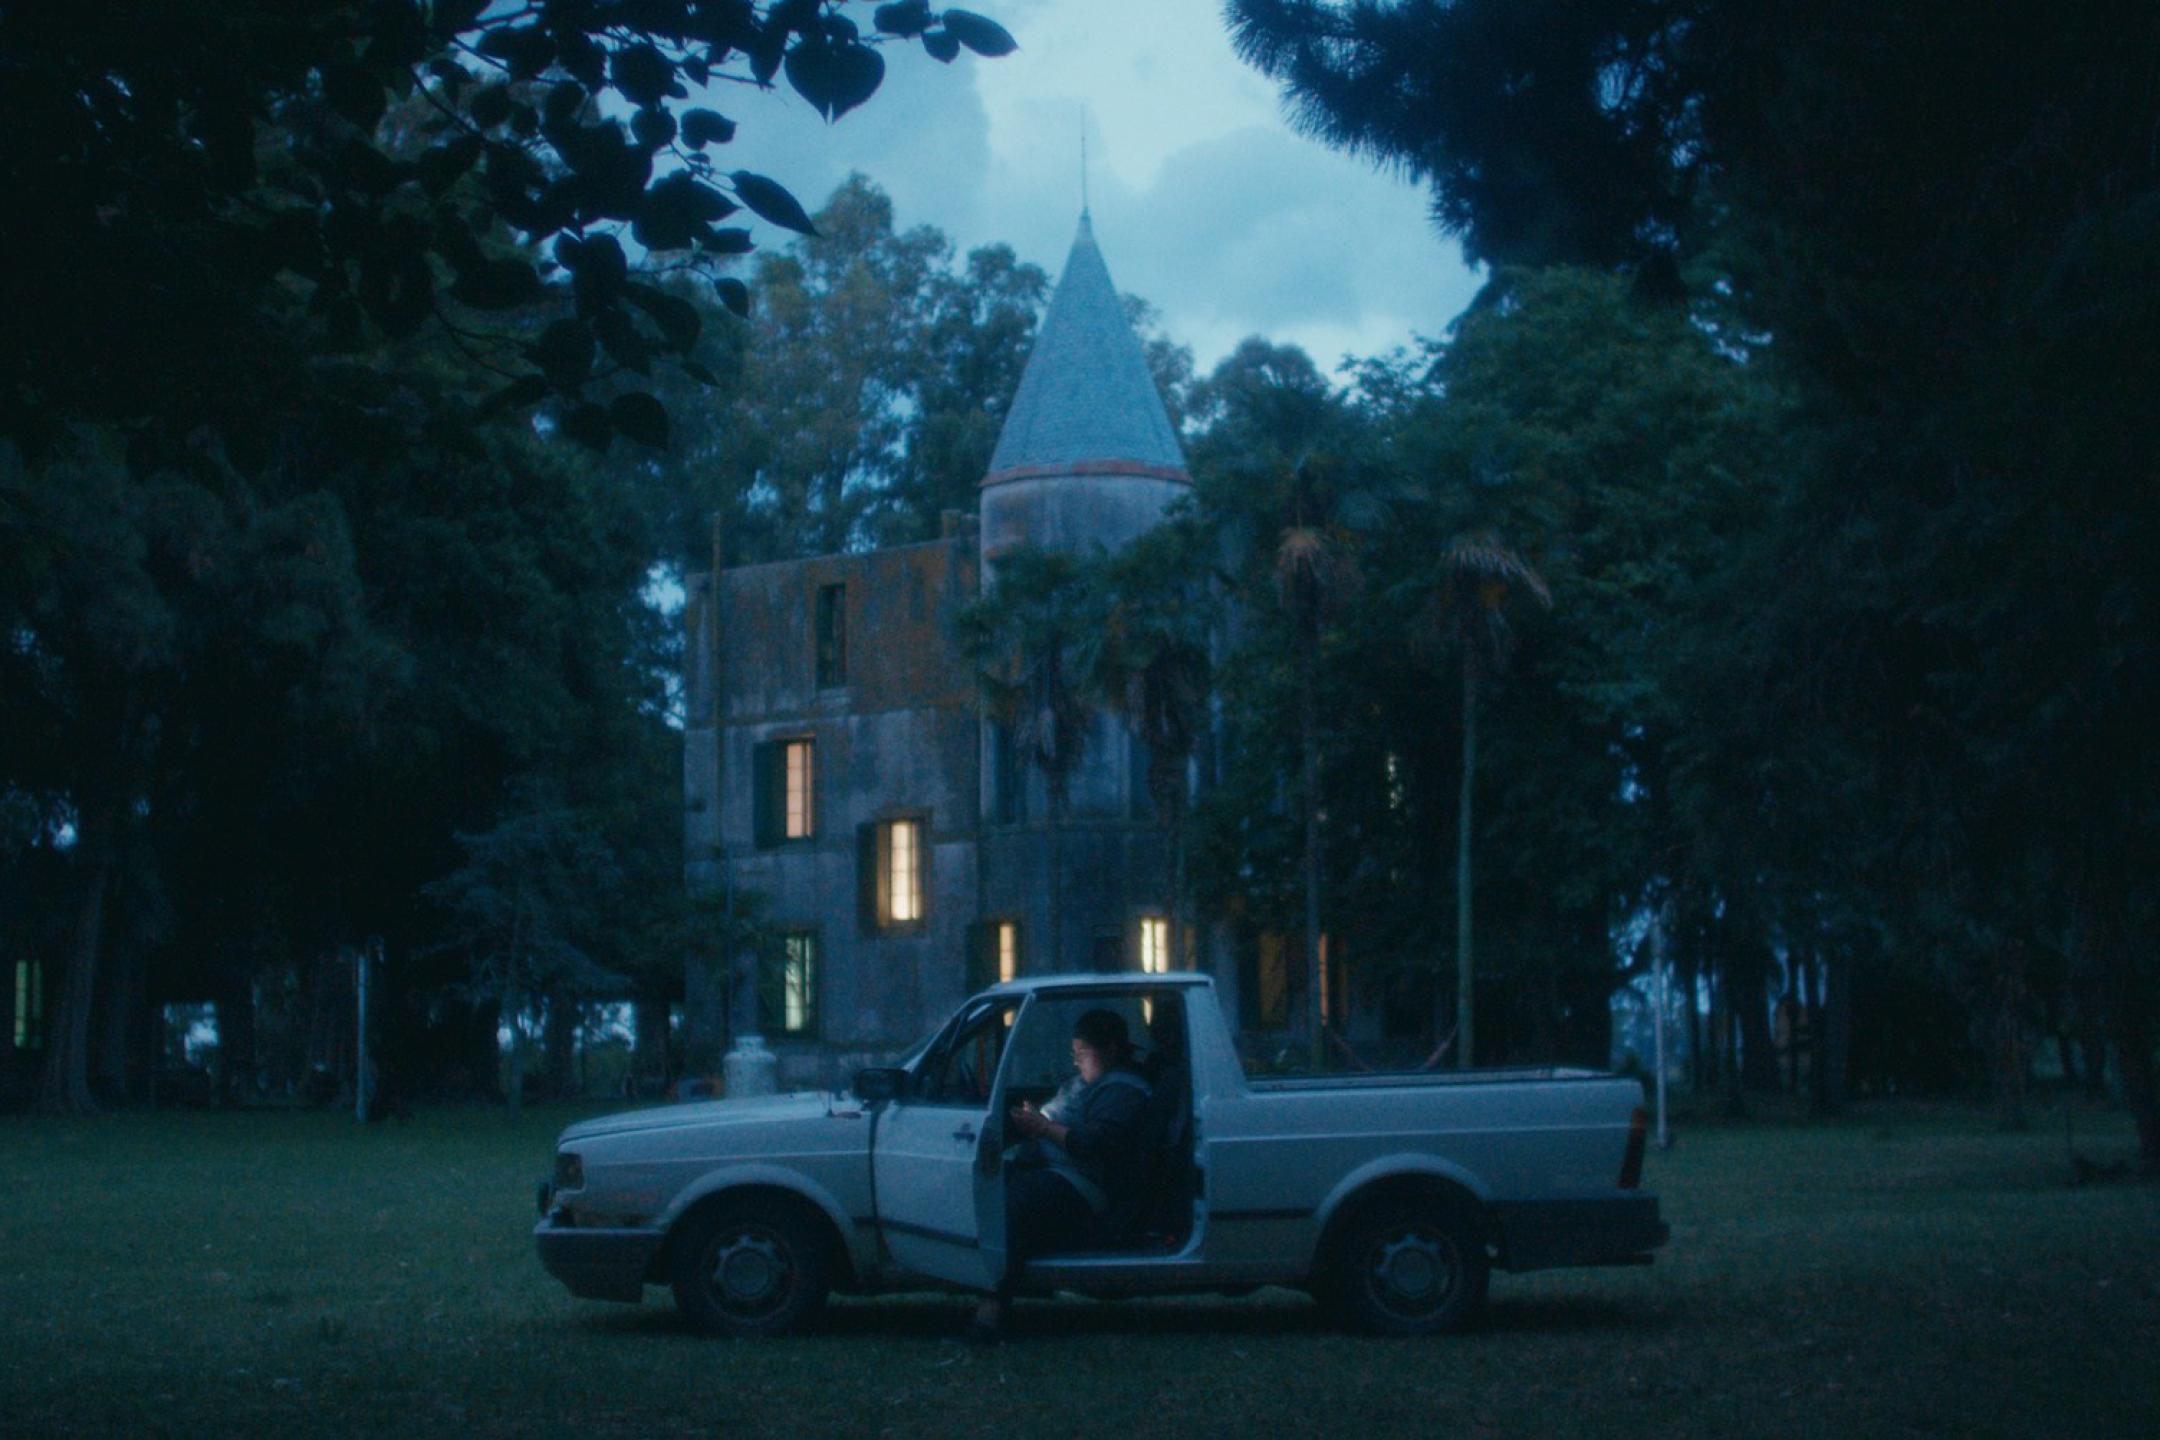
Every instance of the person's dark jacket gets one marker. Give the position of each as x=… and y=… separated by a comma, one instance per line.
x=1108, y=1137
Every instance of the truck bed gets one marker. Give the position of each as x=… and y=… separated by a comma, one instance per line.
x=1404, y=1079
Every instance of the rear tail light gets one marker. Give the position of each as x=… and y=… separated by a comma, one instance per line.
x=569, y=1171
x=1638, y=1131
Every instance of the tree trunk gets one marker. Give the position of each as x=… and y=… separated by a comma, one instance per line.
x=2129, y=1020
x=1689, y=977
x=560, y=1036
x=649, y=1038
x=1309, y=725
x=1465, y=978
x=513, y=1013
x=66, y=1086
x=1758, y=1057
x=1057, y=875
x=2008, y=1026
x=236, y=1034
x=114, y=1004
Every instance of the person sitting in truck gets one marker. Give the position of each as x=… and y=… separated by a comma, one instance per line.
x=1086, y=1157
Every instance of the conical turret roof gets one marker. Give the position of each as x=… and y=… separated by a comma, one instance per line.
x=1086, y=398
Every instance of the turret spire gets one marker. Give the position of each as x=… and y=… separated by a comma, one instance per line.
x=1086, y=397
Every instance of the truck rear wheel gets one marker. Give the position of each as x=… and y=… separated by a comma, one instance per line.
x=1409, y=1268
x=754, y=1265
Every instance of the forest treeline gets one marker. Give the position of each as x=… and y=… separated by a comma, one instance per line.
x=1760, y=567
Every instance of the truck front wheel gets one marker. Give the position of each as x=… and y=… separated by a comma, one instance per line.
x=753, y=1265
x=1410, y=1268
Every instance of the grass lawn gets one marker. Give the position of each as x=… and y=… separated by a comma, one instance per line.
x=1904, y=1271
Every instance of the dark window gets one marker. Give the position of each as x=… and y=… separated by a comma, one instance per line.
x=1140, y=801
x=962, y=1067
x=1008, y=779
x=788, y=985
x=831, y=636
x=1109, y=951
x=29, y=1004
x=1264, y=986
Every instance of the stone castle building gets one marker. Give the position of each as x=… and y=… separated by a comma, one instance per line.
x=841, y=764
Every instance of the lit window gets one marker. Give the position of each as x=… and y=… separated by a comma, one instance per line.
x=905, y=890
x=798, y=789
x=1155, y=945
x=788, y=985
x=797, y=984
x=1393, y=768
x=1008, y=942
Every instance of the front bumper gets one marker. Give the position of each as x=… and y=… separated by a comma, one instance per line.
x=597, y=1264
x=1616, y=1228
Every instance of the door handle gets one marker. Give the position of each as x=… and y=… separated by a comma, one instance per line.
x=964, y=1133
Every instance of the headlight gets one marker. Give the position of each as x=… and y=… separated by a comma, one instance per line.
x=569, y=1170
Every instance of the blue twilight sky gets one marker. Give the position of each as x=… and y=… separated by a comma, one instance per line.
x=1204, y=200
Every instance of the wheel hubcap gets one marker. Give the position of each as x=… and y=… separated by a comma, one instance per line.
x=1412, y=1272
x=751, y=1272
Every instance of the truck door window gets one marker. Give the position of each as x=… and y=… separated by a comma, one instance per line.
x=964, y=1066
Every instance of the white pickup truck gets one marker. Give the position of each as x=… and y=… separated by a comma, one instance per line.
x=1388, y=1196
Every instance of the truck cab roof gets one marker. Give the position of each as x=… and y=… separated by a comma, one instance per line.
x=1098, y=980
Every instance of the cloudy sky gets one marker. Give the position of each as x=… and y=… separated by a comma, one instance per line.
x=1204, y=200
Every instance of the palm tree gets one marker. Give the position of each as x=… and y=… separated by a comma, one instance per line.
x=1478, y=575
x=1027, y=637
x=1314, y=566
x=1154, y=667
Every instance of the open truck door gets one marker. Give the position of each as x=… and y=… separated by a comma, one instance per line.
x=938, y=1161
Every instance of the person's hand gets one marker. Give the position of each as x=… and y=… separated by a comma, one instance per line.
x=1028, y=1120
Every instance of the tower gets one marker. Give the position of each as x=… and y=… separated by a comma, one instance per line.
x=1087, y=458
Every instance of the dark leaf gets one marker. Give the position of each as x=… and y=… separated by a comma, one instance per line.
x=441, y=167
x=908, y=18
x=705, y=127
x=497, y=285
x=452, y=76
x=367, y=169
x=734, y=240
x=355, y=93
x=676, y=317
x=700, y=374
x=622, y=340
x=766, y=53
x=834, y=78
x=588, y=425
x=519, y=393
x=489, y=106
x=562, y=102
x=524, y=51
x=770, y=201
x=640, y=417
x=564, y=352
x=454, y=17
x=597, y=264
x=584, y=59
x=346, y=323
x=941, y=44
x=653, y=127
x=980, y=34
x=794, y=15
x=733, y=294
x=400, y=38
x=644, y=76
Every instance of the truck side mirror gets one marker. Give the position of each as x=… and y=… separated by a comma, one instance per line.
x=877, y=1083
